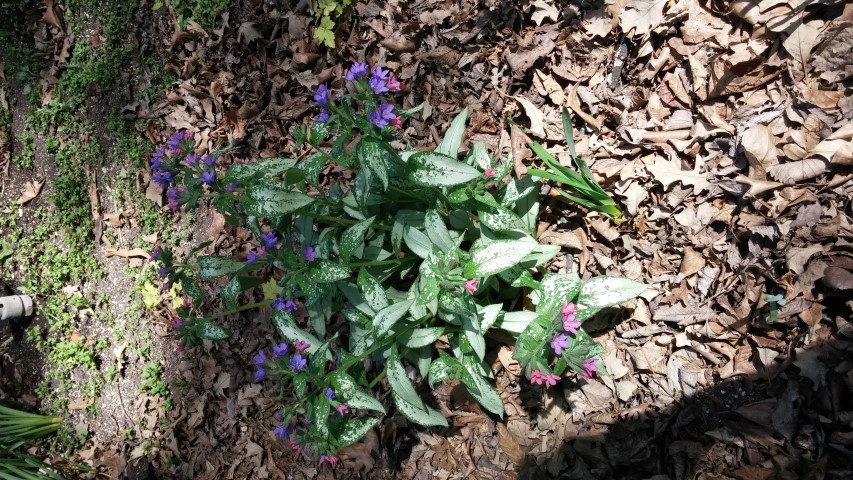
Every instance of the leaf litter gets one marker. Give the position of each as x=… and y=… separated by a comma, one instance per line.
x=726, y=137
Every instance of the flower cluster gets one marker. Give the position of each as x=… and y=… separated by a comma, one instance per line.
x=294, y=367
x=178, y=156
x=368, y=85
x=561, y=342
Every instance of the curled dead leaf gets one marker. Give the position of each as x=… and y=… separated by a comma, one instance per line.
x=31, y=191
x=793, y=172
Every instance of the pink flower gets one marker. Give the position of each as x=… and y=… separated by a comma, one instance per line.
x=301, y=346
x=295, y=446
x=471, y=286
x=330, y=459
x=536, y=377
x=489, y=173
x=397, y=122
x=551, y=380
x=569, y=323
x=392, y=84
x=343, y=409
x=589, y=368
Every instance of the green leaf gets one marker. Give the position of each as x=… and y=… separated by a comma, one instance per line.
x=355, y=429
x=453, y=138
x=501, y=219
x=494, y=257
x=353, y=237
x=372, y=290
x=371, y=154
x=347, y=389
x=471, y=328
x=437, y=231
x=399, y=380
x=210, y=266
x=417, y=242
x=323, y=270
x=430, y=287
x=321, y=410
x=271, y=201
x=237, y=284
x=300, y=383
x=516, y=322
x=422, y=337
x=482, y=390
x=599, y=292
x=407, y=400
x=388, y=316
x=286, y=327
x=243, y=173
x=479, y=156
x=211, y=331
x=436, y=170
x=324, y=33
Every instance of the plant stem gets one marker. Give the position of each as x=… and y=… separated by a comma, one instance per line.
x=344, y=221
x=377, y=379
x=237, y=310
x=376, y=263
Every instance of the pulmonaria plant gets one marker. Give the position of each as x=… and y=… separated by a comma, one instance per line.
x=415, y=260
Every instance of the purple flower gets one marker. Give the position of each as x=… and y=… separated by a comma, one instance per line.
x=174, y=141
x=321, y=96
x=260, y=373
x=380, y=73
x=283, y=432
x=260, y=358
x=155, y=254
x=279, y=350
x=162, y=178
x=378, y=85
x=163, y=271
x=358, y=70
x=560, y=342
x=382, y=115
x=290, y=305
x=330, y=394
x=191, y=159
x=157, y=158
x=589, y=368
x=254, y=255
x=309, y=254
x=323, y=117
x=172, y=195
x=278, y=304
x=269, y=239
x=297, y=362
x=209, y=160
x=208, y=177
x=231, y=186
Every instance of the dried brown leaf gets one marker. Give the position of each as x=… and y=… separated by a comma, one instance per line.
x=759, y=146
x=30, y=191
x=692, y=262
x=509, y=445
x=669, y=171
x=793, y=172
x=136, y=252
x=802, y=40
x=641, y=15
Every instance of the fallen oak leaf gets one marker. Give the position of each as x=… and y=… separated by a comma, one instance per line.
x=793, y=172
x=534, y=114
x=136, y=252
x=31, y=190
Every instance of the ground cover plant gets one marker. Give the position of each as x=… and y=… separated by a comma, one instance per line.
x=420, y=249
x=719, y=128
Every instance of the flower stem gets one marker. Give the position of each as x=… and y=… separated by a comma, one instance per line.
x=237, y=310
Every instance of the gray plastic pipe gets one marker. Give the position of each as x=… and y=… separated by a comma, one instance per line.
x=15, y=306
